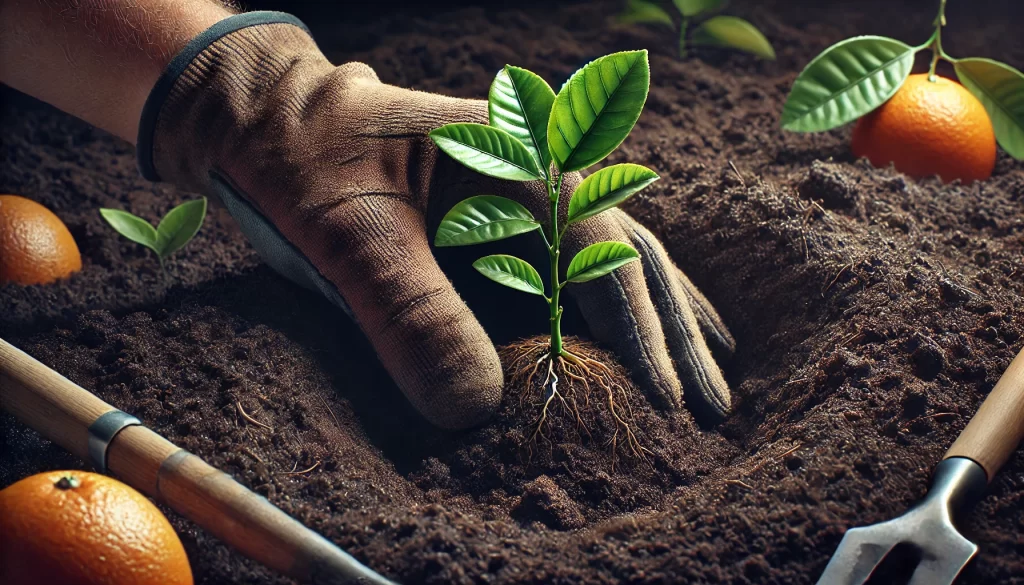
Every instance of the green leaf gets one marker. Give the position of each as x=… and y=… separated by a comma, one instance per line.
x=484, y=218
x=732, y=33
x=1000, y=88
x=642, y=12
x=596, y=109
x=132, y=227
x=607, y=188
x=846, y=81
x=520, y=104
x=690, y=8
x=487, y=150
x=599, y=259
x=511, y=272
x=180, y=225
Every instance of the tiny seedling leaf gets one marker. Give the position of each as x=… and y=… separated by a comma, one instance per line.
x=731, y=32
x=607, y=188
x=180, y=225
x=599, y=259
x=846, y=81
x=596, y=109
x=1000, y=88
x=132, y=227
x=690, y=8
x=520, y=104
x=484, y=218
x=487, y=150
x=643, y=12
x=511, y=272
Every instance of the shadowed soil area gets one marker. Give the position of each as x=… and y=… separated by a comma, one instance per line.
x=872, y=312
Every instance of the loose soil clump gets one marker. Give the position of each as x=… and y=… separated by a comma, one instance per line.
x=872, y=313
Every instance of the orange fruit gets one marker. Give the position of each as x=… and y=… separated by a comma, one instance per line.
x=35, y=245
x=929, y=128
x=80, y=528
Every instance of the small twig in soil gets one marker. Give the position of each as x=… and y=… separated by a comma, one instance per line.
x=245, y=415
x=328, y=407
x=836, y=279
x=791, y=451
x=906, y=427
x=303, y=472
x=738, y=175
x=253, y=455
x=740, y=483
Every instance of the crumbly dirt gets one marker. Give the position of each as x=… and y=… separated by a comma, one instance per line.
x=872, y=313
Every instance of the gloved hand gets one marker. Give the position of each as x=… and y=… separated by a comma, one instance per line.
x=331, y=174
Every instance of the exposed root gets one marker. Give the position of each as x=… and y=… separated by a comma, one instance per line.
x=565, y=395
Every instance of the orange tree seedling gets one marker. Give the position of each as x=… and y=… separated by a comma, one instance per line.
x=924, y=125
x=535, y=135
x=723, y=31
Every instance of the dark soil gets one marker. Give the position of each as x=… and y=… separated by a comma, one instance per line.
x=873, y=313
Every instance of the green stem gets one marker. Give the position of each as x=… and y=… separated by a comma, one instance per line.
x=682, y=37
x=936, y=41
x=553, y=252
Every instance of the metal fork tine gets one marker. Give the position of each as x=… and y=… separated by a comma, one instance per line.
x=858, y=554
x=941, y=567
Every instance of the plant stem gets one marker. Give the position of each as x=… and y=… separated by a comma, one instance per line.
x=936, y=42
x=682, y=37
x=554, y=250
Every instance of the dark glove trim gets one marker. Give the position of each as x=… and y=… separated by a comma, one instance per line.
x=151, y=111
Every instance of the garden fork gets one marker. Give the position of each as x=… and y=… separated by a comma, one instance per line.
x=960, y=480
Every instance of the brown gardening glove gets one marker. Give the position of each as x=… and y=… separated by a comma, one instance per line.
x=331, y=174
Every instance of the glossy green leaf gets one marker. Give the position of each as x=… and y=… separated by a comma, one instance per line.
x=732, y=33
x=132, y=227
x=599, y=259
x=643, y=12
x=511, y=272
x=690, y=8
x=596, y=109
x=484, y=218
x=607, y=188
x=1000, y=88
x=520, y=104
x=180, y=225
x=487, y=150
x=846, y=81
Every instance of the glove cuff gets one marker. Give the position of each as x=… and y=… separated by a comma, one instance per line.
x=266, y=50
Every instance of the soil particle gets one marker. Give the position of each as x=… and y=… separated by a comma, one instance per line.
x=547, y=503
x=873, y=313
x=828, y=183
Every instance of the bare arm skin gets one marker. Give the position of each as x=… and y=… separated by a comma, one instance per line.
x=97, y=59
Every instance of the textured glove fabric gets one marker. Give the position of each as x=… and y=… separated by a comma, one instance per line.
x=333, y=176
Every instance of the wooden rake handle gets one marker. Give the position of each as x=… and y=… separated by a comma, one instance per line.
x=998, y=427
x=64, y=412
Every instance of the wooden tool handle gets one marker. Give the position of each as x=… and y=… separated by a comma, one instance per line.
x=998, y=427
x=63, y=412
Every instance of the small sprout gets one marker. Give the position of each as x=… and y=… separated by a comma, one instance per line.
x=175, y=230
x=853, y=77
x=721, y=31
x=530, y=128
x=535, y=135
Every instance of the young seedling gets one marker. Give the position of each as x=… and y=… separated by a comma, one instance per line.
x=854, y=77
x=721, y=31
x=175, y=230
x=535, y=135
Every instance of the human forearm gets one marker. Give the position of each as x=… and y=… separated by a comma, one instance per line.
x=97, y=59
